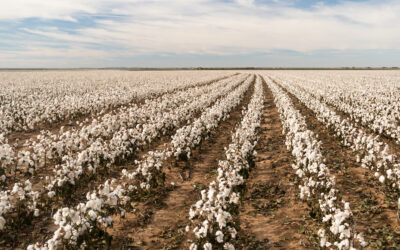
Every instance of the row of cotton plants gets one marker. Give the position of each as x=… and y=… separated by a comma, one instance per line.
x=211, y=217
x=21, y=196
x=316, y=183
x=82, y=225
x=49, y=148
x=126, y=140
x=373, y=102
x=373, y=153
x=187, y=138
x=103, y=153
x=6, y=157
x=31, y=99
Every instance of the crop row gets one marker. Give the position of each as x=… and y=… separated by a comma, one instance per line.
x=316, y=183
x=126, y=137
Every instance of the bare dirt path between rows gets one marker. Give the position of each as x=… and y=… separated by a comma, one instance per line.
x=272, y=215
x=40, y=228
x=374, y=216
x=160, y=222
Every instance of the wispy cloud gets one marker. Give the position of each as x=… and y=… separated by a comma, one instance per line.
x=106, y=30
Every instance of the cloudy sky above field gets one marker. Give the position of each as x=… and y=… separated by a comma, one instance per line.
x=190, y=33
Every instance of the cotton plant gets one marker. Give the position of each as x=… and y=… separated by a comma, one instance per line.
x=122, y=143
x=372, y=152
x=149, y=170
x=143, y=178
x=7, y=159
x=33, y=99
x=20, y=198
x=104, y=142
x=87, y=222
x=52, y=147
x=212, y=216
x=190, y=135
x=374, y=105
x=316, y=183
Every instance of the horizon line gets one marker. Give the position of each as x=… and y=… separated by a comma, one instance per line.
x=206, y=68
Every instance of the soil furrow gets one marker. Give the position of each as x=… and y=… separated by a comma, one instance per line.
x=272, y=215
x=374, y=216
x=160, y=222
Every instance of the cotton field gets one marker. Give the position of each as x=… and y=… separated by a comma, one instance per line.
x=118, y=159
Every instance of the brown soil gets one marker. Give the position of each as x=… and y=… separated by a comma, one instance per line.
x=160, y=223
x=374, y=215
x=272, y=215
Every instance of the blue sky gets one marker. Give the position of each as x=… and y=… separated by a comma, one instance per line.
x=193, y=33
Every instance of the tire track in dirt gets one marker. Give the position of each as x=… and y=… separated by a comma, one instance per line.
x=271, y=215
x=374, y=216
x=161, y=221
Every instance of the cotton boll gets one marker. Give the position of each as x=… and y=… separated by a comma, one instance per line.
x=219, y=236
x=2, y=222
x=92, y=215
x=193, y=246
x=389, y=173
x=382, y=179
x=229, y=246
x=207, y=246
x=51, y=194
x=360, y=238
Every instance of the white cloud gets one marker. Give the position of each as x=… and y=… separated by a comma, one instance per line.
x=180, y=29
x=210, y=27
x=247, y=3
x=46, y=9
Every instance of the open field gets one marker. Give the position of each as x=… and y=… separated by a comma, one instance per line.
x=200, y=159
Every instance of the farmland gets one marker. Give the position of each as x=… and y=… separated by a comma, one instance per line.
x=293, y=159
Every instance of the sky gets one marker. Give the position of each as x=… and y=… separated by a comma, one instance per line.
x=199, y=33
